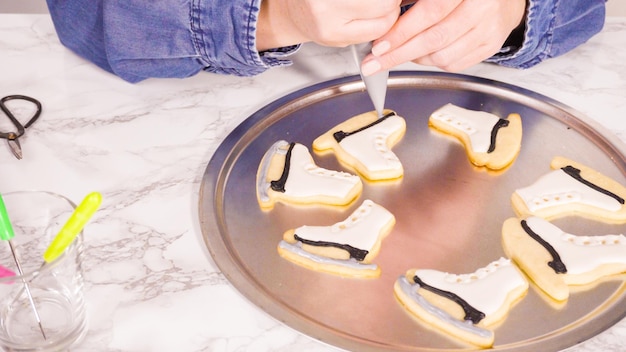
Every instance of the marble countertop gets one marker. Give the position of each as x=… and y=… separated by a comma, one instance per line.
x=151, y=282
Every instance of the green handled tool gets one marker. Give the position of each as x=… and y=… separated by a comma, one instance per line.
x=79, y=218
x=7, y=234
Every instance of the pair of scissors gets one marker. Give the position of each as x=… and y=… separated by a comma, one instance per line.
x=13, y=136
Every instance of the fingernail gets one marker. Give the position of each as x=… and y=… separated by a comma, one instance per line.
x=370, y=67
x=381, y=48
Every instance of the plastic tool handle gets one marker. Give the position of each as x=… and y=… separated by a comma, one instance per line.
x=6, y=272
x=73, y=226
x=6, y=230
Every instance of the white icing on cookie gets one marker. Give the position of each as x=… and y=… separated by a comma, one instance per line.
x=262, y=185
x=485, y=290
x=369, y=146
x=411, y=290
x=477, y=125
x=360, y=230
x=580, y=254
x=305, y=178
x=558, y=188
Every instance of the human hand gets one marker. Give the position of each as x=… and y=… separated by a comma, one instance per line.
x=326, y=22
x=451, y=35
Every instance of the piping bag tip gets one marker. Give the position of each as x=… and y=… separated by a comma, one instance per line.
x=376, y=84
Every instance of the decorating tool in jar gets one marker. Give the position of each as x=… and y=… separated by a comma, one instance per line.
x=7, y=234
x=73, y=226
x=6, y=272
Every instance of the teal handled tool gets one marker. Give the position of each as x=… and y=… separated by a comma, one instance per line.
x=79, y=218
x=7, y=234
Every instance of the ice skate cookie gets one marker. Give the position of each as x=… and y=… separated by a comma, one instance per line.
x=554, y=259
x=489, y=141
x=463, y=306
x=288, y=174
x=364, y=143
x=346, y=248
x=572, y=189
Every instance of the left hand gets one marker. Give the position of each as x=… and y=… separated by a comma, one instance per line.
x=451, y=34
x=325, y=22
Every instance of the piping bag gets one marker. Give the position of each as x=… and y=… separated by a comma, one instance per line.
x=376, y=84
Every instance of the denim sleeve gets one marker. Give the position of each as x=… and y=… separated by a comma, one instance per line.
x=553, y=27
x=136, y=39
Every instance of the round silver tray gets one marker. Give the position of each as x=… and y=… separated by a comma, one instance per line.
x=449, y=214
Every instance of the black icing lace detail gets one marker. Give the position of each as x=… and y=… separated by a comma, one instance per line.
x=471, y=313
x=356, y=253
x=340, y=135
x=556, y=264
x=575, y=173
x=279, y=185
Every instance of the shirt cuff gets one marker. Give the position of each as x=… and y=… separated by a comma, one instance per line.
x=553, y=28
x=224, y=33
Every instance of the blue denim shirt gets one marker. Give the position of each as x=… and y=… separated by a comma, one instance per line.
x=553, y=27
x=135, y=39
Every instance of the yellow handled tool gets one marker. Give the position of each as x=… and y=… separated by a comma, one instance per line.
x=83, y=212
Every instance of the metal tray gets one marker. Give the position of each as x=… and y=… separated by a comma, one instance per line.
x=449, y=214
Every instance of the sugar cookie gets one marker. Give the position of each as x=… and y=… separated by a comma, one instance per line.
x=554, y=259
x=463, y=306
x=288, y=174
x=488, y=140
x=346, y=248
x=572, y=189
x=364, y=143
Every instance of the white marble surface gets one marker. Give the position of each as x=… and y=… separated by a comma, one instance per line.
x=151, y=284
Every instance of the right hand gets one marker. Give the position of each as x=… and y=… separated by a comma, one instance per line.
x=451, y=35
x=336, y=23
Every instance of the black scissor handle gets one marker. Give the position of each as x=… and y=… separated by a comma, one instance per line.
x=18, y=125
